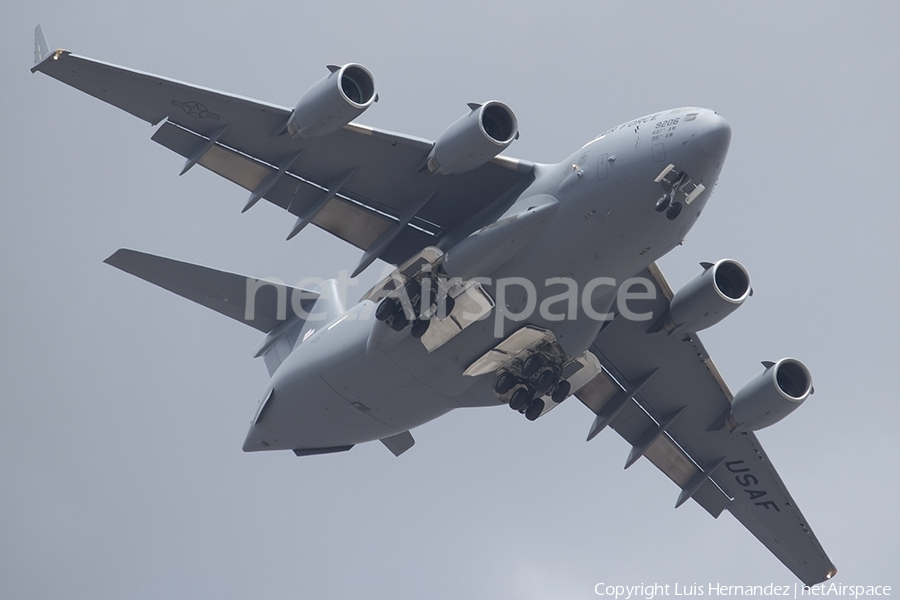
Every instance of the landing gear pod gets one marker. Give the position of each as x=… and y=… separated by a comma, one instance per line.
x=333, y=102
x=474, y=139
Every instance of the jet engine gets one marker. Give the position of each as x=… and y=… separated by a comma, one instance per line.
x=771, y=395
x=333, y=102
x=474, y=139
x=709, y=297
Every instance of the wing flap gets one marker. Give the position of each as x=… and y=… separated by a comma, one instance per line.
x=351, y=222
x=248, y=174
x=669, y=459
x=354, y=225
x=242, y=170
x=711, y=498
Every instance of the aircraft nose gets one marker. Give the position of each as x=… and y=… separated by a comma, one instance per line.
x=714, y=134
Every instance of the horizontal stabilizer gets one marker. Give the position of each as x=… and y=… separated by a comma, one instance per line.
x=258, y=303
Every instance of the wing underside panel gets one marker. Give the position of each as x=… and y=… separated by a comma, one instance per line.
x=631, y=422
x=356, y=182
x=662, y=393
x=341, y=217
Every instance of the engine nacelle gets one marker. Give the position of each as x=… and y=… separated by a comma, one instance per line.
x=710, y=297
x=474, y=139
x=771, y=395
x=333, y=102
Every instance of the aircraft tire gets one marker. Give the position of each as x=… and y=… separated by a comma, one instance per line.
x=520, y=398
x=534, y=409
x=561, y=392
x=399, y=321
x=419, y=327
x=413, y=290
x=503, y=382
x=545, y=381
x=449, y=304
x=385, y=309
x=674, y=211
x=532, y=364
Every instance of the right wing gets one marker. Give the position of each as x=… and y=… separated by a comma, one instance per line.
x=664, y=395
x=366, y=186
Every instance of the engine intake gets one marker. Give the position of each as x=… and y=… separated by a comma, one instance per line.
x=333, y=102
x=709, y=297
x=771, y=395
x=474, y=139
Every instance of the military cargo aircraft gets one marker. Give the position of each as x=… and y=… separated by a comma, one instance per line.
x=516, y=283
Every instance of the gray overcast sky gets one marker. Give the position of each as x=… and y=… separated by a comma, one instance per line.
x=124, y=407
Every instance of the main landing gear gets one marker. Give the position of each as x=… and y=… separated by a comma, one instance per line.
x=420, y=295
x=525, y=383
x=531, y=371
x=421, y=299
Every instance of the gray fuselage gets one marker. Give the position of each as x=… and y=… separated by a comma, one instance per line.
x=591, y=219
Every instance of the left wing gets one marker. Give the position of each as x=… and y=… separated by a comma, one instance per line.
x=663, y=394
x=367, y=186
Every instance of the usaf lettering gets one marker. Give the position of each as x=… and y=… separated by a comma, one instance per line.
x=749, y=480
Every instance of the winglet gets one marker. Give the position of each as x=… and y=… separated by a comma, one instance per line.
x=41, y=49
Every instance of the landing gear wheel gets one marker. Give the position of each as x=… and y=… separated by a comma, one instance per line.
x=400, y=321
x=561, y=392
x=534, y=410
x=532, y=364
x=545, y=381
x=385, y=309
x=503, y=382
x=674, y=211
x=413, y=291
x=520, y=398
x=448, y=305
x=663, y=203
x=419, y=327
